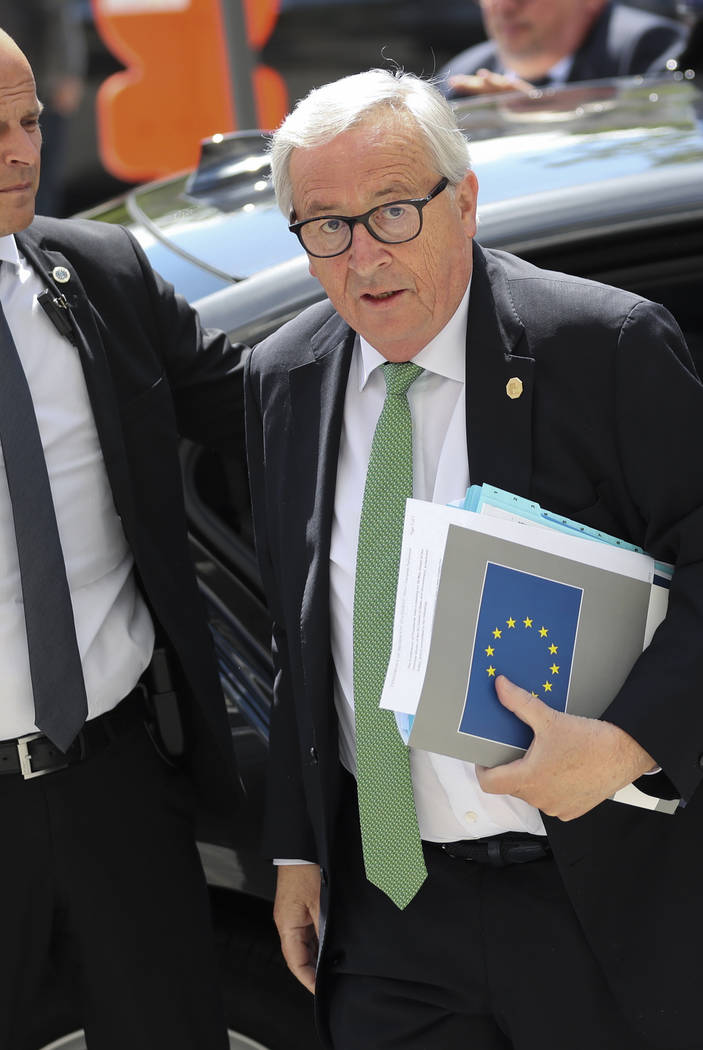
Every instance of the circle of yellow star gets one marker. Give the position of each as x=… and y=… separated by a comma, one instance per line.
x=547, y=686
x=543, y=632
x=491, y=672
x=497, y=633
x=554, y=669
x=510, y=622
x=553, y=649
x=527, y=621
x=489, y=650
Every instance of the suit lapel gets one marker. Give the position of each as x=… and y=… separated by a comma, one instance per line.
x=317, y=389
x=86, y=337
x=498, y=434
x=499, y=383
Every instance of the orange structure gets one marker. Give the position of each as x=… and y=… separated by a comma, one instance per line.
x=176, y=88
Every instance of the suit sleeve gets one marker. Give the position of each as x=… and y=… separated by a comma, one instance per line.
x=652, y=50
x=204, y=370
x=659, y=413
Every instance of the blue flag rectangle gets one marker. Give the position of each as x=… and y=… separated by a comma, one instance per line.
x=526, y=630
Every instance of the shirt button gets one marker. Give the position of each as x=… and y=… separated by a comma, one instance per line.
x=471, y=817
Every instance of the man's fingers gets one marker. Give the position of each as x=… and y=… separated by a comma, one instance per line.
x=527, y=707
x=296, y=914
x=501, y=780
x=299, y=949
x=508, y=779
x=485, y=82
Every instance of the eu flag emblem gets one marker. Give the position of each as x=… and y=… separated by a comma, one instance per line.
x=526, y=630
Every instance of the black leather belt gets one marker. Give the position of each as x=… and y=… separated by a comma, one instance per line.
x=34, y=755
x=498, y=850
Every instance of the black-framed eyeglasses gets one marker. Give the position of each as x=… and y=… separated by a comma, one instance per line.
x=392, y=223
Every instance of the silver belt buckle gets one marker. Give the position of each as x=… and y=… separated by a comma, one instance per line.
x=26, y=759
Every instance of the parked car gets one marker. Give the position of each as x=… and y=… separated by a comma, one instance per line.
x=604, y=180
x=313, y=41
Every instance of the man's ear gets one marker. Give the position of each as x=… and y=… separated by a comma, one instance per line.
x=466, y=195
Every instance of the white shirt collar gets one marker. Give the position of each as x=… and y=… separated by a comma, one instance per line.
x=445, y=355
x=9, y=251
x=559, y=73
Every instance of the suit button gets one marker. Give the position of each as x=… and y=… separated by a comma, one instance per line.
x=313, y=754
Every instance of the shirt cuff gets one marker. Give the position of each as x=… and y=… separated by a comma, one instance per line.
x=281, y=861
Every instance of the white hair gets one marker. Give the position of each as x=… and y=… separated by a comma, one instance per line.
x=330, y=110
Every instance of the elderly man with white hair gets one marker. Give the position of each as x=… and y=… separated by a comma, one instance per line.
x=458, y=907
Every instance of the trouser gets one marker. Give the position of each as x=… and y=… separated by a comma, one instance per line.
x=484, y=958
x=99, y=863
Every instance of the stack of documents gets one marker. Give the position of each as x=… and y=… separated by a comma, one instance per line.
x=500, y=586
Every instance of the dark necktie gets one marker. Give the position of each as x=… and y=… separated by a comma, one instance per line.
x=60, y=703
x=391, y=842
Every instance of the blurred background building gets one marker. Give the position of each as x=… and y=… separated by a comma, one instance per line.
x=52, y=35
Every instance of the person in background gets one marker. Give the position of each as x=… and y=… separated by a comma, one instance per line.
x=432, y=904
x=50, y=34
x=691, y=57
x=112, y=720
x=534, y=43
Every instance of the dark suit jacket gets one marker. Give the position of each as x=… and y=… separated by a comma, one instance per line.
x=151, y=376
x=622, y=41
x=607, y=431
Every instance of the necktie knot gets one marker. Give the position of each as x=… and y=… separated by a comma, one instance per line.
x=399, y=376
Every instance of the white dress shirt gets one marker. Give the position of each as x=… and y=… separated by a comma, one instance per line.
x=449, y=802
x=113, y=626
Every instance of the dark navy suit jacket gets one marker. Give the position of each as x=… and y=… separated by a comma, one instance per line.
x=608, y=431
x=152, y=376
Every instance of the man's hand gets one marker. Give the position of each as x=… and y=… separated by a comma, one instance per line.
x=296, y=912
x=484, y=82
x=572, y=764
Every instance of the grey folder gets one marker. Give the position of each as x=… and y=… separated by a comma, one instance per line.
x=610, y=637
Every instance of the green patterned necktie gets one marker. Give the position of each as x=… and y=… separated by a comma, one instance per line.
x=390, y=837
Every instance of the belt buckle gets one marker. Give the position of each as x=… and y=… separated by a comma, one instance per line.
x=26, y=759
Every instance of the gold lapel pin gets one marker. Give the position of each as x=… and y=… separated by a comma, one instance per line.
x=61, y=274
x=513, y=388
